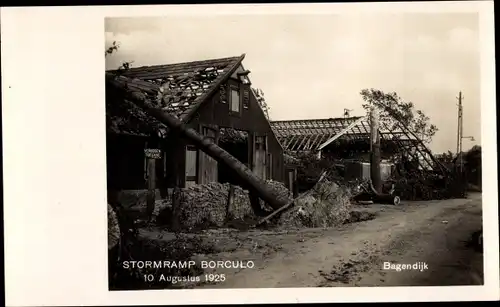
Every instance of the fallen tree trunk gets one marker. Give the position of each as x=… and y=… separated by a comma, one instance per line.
x=253, y=182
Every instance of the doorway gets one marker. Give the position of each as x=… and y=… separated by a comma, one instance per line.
x=235, y=142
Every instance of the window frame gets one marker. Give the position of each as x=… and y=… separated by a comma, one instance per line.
x=238, y=90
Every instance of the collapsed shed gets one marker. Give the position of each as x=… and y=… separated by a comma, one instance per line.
x=349, y=139
x=345, y=142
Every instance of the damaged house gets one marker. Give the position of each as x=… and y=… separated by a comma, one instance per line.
x=347, y=140
x=215, y=98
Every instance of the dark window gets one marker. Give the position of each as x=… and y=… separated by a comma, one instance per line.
x=223, y=94
x=246, y=99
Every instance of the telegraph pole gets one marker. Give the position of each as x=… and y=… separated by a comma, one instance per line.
x=375, y=150
x=460, y=129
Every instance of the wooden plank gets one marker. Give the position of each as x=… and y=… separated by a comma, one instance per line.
x=306, y=137
x=289, y=141
x=274, y=213
x=315, y=142
x=342, y=132
x=295, y=143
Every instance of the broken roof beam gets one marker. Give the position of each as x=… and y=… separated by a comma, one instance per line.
x=425, y=157
x=342, y=132
x=422, y=159
x=305, y=138
x=313, y=142
x=303, y=143
x=300, y=139
x=321, y=140
x=289, y=141
x=442, y=167
x=294, y=143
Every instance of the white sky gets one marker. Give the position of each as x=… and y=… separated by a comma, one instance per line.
x=314, y=66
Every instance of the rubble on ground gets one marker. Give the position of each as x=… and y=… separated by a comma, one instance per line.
x=326, y=205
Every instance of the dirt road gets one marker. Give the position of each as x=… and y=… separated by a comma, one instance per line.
x=433, y=233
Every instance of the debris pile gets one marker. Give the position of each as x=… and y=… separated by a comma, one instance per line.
x=417, y=186
x=326, y=205
x=206, y=206
x=231, y=135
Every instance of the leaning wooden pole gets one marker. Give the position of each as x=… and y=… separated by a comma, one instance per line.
x=204, y=144
x=375, y=151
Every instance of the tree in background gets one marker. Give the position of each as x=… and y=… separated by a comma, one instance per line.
x=262, y=101
x=446, y=157
x=394, y=109
x=114, y=47
x=472, y=164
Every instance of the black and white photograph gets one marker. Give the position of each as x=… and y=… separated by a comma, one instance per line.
x=249, y=153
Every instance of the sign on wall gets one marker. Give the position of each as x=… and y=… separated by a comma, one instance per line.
x=152, y=153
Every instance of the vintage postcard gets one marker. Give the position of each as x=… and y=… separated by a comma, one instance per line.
x=244, y=148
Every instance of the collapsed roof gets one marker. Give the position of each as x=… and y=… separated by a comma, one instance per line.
x=183, y=87
x=316, y=134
